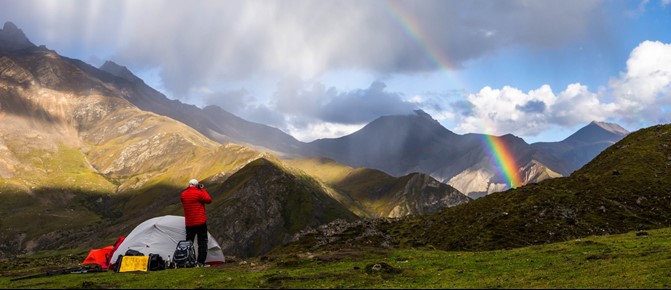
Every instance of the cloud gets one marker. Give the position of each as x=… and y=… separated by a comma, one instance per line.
x=509, y=110
x=199, y=43
x=232, y=101
x=207, y=50
x=305, y=108
x=640, y=95
x=645, y=88
x=532, y=107
x=312, y=131
x=364, y=105
x=330, y=105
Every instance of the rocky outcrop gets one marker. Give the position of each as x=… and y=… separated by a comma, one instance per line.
x=341, y=233
x=414, y=194
x=14, y=73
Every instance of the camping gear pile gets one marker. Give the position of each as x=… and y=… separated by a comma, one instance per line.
x=155, y=244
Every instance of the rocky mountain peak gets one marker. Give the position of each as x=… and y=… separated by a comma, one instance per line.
x=12, y=38
x=598, y=132
x=610, y=127
x=120, y=71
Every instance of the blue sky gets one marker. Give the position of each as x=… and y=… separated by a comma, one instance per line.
x=316, y=69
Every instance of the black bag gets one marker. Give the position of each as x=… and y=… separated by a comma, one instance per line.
x=131, y=252
x=185, y=255
x=156, y=262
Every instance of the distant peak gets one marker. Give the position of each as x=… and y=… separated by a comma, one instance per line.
x=110, y=65
x=120, y=71
x=598, y=132
x=421, y=113
x=610, y=127
x=12, y=38
x=10, y=27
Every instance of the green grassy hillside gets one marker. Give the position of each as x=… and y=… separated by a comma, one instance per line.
x=625, y=188
x=637, y=260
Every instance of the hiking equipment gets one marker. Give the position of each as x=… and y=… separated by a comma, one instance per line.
x=99, y=256
x=102, y=256
x=160, y=235
x=136, y=261
x=185, y=255
x=92, y=268
x=156, y=262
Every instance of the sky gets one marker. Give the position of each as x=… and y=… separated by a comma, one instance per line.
x=538, y=69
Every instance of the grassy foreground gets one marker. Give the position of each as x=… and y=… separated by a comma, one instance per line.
x=632, y=260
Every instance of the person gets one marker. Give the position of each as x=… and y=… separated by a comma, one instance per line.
x=194, y=198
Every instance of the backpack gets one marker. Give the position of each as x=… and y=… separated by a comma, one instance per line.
x=185, y=255
x=129, y=253
x=156, y=262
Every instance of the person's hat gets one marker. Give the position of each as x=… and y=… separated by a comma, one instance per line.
x=193, y=182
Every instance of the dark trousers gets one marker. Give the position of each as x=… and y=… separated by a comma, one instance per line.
x=201, y=232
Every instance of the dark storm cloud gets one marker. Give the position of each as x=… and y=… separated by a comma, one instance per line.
x=197, y=43
x=532, y=107
x=352, y=107
x=365, y=105
x=230, y=100
x=462, y=107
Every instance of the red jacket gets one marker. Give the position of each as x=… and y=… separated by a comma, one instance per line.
x=193, y=201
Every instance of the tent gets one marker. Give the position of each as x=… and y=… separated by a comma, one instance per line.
x=99, y=256
x=102, y=256
x=160, y=235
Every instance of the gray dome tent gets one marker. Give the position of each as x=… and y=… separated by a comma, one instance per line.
x=160, y=235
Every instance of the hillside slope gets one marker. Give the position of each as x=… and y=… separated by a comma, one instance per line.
x=625, y=188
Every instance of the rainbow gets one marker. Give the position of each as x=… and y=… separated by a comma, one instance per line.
x=505, y=160
x=412, y=28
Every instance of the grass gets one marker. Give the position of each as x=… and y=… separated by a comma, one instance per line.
x=631, y=260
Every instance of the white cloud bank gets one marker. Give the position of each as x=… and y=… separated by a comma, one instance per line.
x=640, y=95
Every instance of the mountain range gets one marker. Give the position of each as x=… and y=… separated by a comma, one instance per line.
x=397, y=145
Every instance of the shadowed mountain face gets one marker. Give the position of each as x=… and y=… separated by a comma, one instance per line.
x=79, y=155
x=263, y=206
